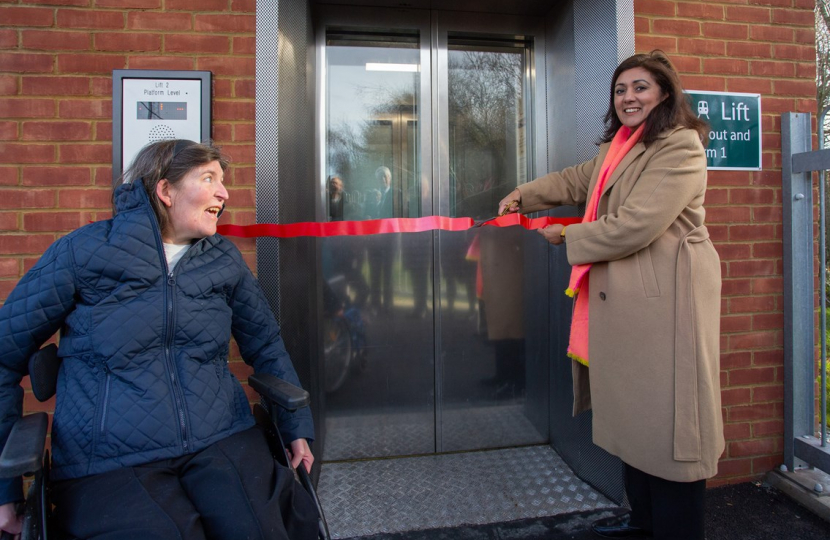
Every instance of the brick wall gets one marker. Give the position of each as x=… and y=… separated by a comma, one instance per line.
x=56, y=62
x=56, y=58
x=757, y=46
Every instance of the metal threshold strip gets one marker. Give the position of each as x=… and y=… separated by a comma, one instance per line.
x=363, y=498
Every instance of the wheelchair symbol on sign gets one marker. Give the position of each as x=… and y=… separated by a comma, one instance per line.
x=703, y=108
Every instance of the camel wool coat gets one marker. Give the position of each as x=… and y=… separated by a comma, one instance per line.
x=654, y=307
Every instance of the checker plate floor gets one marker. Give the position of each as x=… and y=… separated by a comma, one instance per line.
x=362, y=498
x=367, y=436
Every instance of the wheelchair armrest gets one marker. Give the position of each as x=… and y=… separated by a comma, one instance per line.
x=281, y=392
x=23, y=453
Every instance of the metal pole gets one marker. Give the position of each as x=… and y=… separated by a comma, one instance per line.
x=799, y=285
x=823, y=286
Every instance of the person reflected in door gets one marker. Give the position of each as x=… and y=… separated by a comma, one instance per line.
x=381, y=248
x=347, y=254
x=371, y=207
x=645, y=331
x=153, y=437
x=334, y=188
x=501, y=273
x=416, y=255
x=387, y=194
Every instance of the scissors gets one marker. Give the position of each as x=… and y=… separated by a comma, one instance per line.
x=503, y=213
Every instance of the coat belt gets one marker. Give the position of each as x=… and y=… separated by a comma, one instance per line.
x=686, y=411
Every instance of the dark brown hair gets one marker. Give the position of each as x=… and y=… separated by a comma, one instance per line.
x=171, y=160
x=671, y=112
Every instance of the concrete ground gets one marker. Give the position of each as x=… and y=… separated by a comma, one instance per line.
x=749, y=511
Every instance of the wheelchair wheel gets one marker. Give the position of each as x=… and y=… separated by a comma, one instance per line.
x=337, y=352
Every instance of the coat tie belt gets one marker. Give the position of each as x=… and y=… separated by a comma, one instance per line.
x=687, y=445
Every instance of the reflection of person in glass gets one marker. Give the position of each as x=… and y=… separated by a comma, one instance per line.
x=381, y=248
x=334, y=188
x=346, y=254
x=501, y=270
x=372, y=205
x=416, y=257
x=647, y=310
x=386, y=204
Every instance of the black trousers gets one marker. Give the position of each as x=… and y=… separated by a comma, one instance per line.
x=232, y=490
x=671, y=510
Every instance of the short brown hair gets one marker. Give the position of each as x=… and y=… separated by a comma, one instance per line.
x=671, y=112
x=171, y=160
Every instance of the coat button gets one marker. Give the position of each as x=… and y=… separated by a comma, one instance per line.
x=602, y=296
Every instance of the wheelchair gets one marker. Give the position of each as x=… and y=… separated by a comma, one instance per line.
x=344, y=335
x=25, y=453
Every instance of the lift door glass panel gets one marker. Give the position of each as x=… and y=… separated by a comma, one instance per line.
x=378, y=338
x=493, y=394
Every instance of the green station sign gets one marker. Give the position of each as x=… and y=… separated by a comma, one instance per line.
x=734, y=128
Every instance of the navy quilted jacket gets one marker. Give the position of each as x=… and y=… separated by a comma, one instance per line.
x=145, y=354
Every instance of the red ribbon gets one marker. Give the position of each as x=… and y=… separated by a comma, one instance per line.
x=382, y=226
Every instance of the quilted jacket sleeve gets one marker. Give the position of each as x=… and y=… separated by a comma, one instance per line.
x=258, y=335
x=32, y=313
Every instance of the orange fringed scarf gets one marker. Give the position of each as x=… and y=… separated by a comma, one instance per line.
x=622, y=143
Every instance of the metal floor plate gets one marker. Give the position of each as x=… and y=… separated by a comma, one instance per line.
x=367, y=436
x=415, y=493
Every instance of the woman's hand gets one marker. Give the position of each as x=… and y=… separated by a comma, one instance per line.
x=553, y=233
x=514, y=195
x=10, y=522
x=299, y=452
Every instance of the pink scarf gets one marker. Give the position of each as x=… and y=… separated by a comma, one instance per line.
x=622, y=143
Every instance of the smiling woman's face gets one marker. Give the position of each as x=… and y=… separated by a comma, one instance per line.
x=636, y=94
x=193, y=204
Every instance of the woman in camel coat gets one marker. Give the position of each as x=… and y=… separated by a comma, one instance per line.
x=653, y=300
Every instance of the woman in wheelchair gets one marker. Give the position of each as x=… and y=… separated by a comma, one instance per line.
x=152, y=436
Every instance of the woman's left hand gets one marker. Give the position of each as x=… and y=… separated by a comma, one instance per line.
x=301, y=453
x=553, y=233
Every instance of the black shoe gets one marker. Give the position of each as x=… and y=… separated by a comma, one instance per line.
x=618, y=527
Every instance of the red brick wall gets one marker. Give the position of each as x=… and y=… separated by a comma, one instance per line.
x=56, y=62
x=56, y=58
x=766, y=47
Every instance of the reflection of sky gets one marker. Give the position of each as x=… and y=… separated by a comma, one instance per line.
x=350, y=86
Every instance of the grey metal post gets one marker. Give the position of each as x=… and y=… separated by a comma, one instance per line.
x=823, y=283
x=799, y=340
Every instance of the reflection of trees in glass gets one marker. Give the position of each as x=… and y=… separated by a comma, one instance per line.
x=357, y=148
x=345, y=147
x=486, y=120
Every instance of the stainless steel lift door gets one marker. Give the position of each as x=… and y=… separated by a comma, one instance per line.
x=432, y=341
